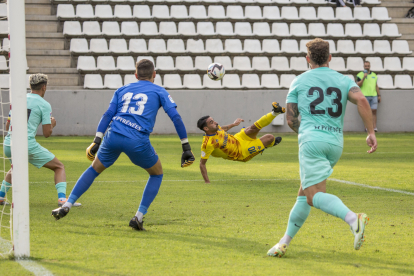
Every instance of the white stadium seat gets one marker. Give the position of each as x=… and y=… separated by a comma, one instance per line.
x=6, y=44
x=390, y=29
x=234, y=12
x=142, y=11
x=408, y=63
x=298, y=29
x=250, y=81
x=209, y=83
x=105, y=63
x=129, y=79
x=4, y=80
x=4, y=27
x=302, y=45
x=175, y=46
x=137, y=46
x=392, y=64
x=78, y=45
x=261, y=63
x=403, y=81
x=99, y=45
x=271, y=12
x=380, y=13
x=270, y=81
x=335, y=29
x=385, y=82
x=242, y=63
x=354, y=63
x=252, y=46
x=253, y=12
x=224, y=28
x=298, y=64
x=362, y=13
x=332, y=48
x=179, y=12
x=205, y=28
x=337, y=64
x=326, y=13
x=184, y=63
x=86, y=63
x=118, y=46
x=280, y=63
x=3, y=10
x=308, y=13
x=286, y=80
x=192, y=81
x=346, y=47
x=195, y=46
x=372, y=30
x=261, y=29
x=65, y=11
x=344, y=13
x=198, y=12
x=84, y=11
x=129, y=28
x=231, y=81
x=93, y=81
x=110, y=28
x=172, y=81
x=69, y=27
x=353, y=29
x=157, y=80
x=243, y=28
x=351, y=77
x=289, y=13
x=202, y=62
x=168, y=28
x=216, y=12
x=271, y=46
x=186, y=28
x=157, y=46
x=233, y=46
x=363, y=47
x=103, y=12
x=122, y=11
x=113, y=81
x=161, y=12
x=225, y=61
x=382, y=47
x=214, y=46
x=317, y=29
x=401, y=47
x=290, y=46
x=126, y=63
x=91, y=28
x=280, y=29
x=376, y=64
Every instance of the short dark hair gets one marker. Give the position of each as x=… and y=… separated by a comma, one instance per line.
x=145, y=69
x=318, y=51
x=37, y=86
x=202, y=122
x=367, y=61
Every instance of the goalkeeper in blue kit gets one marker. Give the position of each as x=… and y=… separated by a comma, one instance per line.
x=132, y=111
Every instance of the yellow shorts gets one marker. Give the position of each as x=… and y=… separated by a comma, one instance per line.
x=250, y=147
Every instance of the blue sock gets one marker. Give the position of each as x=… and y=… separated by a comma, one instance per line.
x=83, y=184
x=330, y=204
x=5, y=186
x=150, y=192
x=298, y=216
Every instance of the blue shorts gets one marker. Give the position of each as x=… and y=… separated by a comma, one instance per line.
x=38, y=156
x=316, y=162
x=140, y=152
x=373, y=102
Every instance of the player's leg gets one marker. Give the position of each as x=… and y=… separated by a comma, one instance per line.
x=269, y=140
x=265, y=120
x=60, y=178
x=7, y=182
x=374, y=118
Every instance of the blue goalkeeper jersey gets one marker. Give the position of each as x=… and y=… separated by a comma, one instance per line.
x=137, y=107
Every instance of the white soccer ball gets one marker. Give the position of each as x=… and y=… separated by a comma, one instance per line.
x=215, y=71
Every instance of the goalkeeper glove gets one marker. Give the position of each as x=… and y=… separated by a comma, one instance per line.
x=93, y=148
x=187, y=157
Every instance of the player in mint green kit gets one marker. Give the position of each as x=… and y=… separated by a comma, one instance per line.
x=39, y=112
x=320, y=96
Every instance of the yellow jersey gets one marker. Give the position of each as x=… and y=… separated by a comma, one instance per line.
x=222, y=145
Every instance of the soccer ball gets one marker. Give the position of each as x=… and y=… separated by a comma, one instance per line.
x=215, y=71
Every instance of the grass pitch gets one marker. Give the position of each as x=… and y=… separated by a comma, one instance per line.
x=226, y=227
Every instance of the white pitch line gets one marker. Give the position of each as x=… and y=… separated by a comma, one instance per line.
x=371, y=187
x=35, y=268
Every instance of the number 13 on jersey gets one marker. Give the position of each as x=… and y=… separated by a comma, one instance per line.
x=139, y=99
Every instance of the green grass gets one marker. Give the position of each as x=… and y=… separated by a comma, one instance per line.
x=226, y=227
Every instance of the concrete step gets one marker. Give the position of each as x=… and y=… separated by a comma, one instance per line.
x=42, y=26
x=40, y=52
x=42, y=44
x=45, y=2
x=63, y=80
x=39, y=9
x=45, y=70
x=74, y=88
x=45, y=35
x=405, y=25
x=34, y=17
x=49, y=61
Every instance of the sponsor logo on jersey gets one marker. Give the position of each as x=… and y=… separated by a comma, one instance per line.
x=127, y=122
x=171, y=99
x=203, y=154
x=226, y=136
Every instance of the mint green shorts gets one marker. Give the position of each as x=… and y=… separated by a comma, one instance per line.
x=38, y=155
x=316, y=162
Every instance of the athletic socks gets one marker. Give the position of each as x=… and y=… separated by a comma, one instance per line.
x=330, y=204
x=150, y=192
x=61, y=190
x=83, y=184
x=5, y=186
x=139, y=216
x=265, y=120
x=297, y=218
x=351, y=218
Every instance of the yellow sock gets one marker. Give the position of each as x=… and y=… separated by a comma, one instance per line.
x=264, y=121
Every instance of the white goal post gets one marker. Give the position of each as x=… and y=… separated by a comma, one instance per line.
x=19, y=143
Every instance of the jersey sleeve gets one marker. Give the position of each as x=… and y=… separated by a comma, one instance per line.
x=206, y=148
x=292, y=96
x=351, y=84
x=167, y=101
x=46, y=110
x=114, y=99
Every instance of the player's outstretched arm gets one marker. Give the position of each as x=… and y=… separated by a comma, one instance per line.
x=236, y=123
x=187, y=157
x=203, y=170
x=292, y=116
x=355, y=96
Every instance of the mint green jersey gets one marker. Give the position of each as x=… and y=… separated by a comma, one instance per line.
x=39, y=112
x=321, y=95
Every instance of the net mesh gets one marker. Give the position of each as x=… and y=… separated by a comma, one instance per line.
x=6, y=211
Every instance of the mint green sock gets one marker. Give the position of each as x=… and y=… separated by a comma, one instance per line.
x=298, y=216
x=61, y=189
x=5, y=186
x=330, y=204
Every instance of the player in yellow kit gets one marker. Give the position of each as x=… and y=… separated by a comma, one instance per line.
x=243, y=146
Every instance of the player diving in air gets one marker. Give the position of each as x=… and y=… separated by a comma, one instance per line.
x=243, y=146
x=132, y=110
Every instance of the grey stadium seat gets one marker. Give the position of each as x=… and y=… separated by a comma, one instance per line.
x=243, y=28
x=129, y=79
x=302, y=45
x=91, y=28
x=93, y=81
x=382, y=47
x=390, y=29
x=380, y=13
x=251, y=81
x=157, y=80
x=146, y=57
x=362, y=13
x=408, y=63
x=298, y=64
